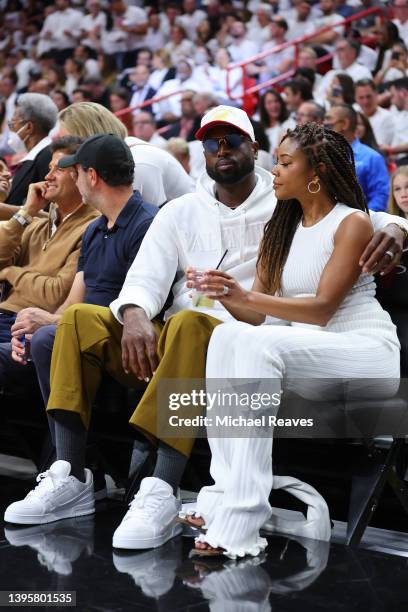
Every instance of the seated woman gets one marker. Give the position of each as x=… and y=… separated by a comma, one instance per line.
x=308, y=274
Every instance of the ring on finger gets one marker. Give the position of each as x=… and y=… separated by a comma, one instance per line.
x=390, y=254
x=225, y=290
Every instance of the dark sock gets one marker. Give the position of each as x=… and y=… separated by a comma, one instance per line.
x=70, y=441
x=170, y=465
x=51, y=425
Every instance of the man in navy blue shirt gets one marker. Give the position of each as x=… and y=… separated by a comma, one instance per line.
x=371, y=168
x=109, y=246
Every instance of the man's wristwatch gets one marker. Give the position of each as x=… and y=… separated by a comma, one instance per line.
x=23, y=217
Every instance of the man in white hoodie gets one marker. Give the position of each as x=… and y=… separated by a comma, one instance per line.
x=232, y=203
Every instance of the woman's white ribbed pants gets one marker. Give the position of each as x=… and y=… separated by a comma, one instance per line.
x=236, y=506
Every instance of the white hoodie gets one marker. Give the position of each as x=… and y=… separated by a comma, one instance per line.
x=195, y=230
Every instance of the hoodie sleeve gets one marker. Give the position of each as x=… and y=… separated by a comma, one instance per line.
x=380, y=220
x=150, y=277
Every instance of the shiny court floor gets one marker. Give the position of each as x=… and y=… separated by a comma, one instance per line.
x=294, y=574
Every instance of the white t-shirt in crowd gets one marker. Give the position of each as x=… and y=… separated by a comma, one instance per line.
x=68, y=20
x=243, y=50
x=158, y=175
x=383, y=126
x=89, y=23
x=190, y=22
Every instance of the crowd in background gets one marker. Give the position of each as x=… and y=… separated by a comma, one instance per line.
x=120, y=54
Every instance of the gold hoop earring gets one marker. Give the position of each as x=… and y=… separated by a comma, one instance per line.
x=313, y=183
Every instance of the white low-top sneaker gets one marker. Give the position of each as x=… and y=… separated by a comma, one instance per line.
x=58, y=495
x=151, y=518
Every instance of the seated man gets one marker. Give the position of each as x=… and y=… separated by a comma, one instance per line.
x=370, y=165
x=38, y=257
x=109, y=246
x=233, y=201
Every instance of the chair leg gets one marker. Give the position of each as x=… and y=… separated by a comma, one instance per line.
x=365, y=494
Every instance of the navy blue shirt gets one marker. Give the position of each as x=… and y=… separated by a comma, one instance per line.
x=107, y=253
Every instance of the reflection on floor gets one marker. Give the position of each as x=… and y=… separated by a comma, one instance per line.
x=293, y=574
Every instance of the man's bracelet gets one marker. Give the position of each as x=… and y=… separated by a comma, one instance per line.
x=403, y=230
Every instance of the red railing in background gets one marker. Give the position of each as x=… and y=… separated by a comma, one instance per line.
x=248, y=93
x=249, y=89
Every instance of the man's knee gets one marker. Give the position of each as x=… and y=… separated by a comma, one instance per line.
x=42, y=342
x=192, y=322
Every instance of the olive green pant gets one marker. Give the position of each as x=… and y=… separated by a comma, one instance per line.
x=88, y=344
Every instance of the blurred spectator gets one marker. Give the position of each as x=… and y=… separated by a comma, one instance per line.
x=74, y=72
x=140, y=88
x=241, y=48
x=127, y=33
x=92, y=24
x=310, y=111
x=8, y=91
x=34, y=117
x=107, y=69
x=169, y=17
x=191, y=17
x=203, y=102
x=398, y=202
x=369, y=24
x=179, y=45
x=88, y=56
x=347, y=52
x=381, y=120
x=258, y=27
x=399, y=110
x=144, y=127
x=219, y=76
x=23, y=65
x=99, y=92
x=162, y=69
x=281, y=61
x=296, y=92
x=329, y=17
x=272, y=114
x=60, y=31
x=365, y=132
x=154, y=38
x=189, y=122
x=307, y=59
x=81, y=95
x=169, y=110
x=119, y=99
x=400, y=9
x=55, y=76
x=301, y=23
x=371, y=169
x=341, y=90
x=60, y=99
x=396, y=67
x=388, y=36
x=178, y=147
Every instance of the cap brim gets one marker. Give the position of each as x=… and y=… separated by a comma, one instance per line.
x=67, y=162
x=202, y=131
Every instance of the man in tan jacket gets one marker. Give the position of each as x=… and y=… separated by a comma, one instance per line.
x=38, y=257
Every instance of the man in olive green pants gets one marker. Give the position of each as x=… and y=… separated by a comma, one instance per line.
x=83, y=352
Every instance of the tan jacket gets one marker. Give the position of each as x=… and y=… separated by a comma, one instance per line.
x=39, y=268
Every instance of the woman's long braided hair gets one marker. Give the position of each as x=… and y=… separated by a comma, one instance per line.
x=320, y=145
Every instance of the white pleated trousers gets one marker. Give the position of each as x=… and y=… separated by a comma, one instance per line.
x=237, y=505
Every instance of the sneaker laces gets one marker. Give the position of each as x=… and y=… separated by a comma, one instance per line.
x=47, y=482
x=145, y=504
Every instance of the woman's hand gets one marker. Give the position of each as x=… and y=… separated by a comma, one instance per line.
x=214, y=284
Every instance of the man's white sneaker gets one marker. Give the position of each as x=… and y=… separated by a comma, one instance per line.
x=58, y=495
x=151, y=518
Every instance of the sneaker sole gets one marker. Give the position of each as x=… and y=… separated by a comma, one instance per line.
x=138, y=544
x=21, y=519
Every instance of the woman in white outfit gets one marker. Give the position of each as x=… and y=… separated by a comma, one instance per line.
x=308, y=273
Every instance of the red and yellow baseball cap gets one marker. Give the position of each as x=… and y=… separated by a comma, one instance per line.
x=226, y=115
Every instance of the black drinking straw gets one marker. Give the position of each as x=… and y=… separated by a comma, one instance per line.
x=221, y=260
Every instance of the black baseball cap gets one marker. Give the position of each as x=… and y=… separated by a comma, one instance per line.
x=101, y=152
